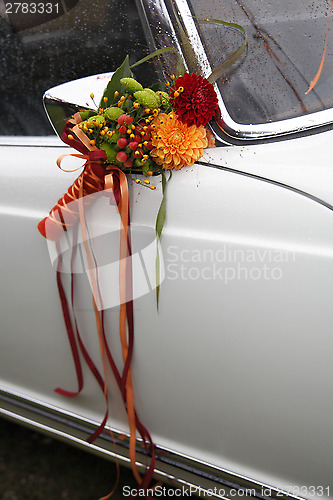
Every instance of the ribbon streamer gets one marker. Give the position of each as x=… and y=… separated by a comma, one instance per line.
x=93, y=179
x=316, y=78
x=84, y=351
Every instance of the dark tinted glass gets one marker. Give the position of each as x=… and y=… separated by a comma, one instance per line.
x=90, y=37
x=285, y=46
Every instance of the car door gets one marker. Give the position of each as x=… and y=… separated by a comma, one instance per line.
x=36, y=55
x=233, y=369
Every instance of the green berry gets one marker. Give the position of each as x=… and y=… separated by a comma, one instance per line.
x=131, y=85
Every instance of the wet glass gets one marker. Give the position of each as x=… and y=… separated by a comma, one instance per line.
x=285, y=44
x=86, y=38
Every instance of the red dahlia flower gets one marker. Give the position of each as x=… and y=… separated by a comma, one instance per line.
x=194, y=99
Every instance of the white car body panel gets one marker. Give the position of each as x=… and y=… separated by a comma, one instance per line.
x=233, y=371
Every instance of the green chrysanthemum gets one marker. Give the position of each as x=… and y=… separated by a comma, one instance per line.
x=147, y=98
x=110, y=152
x=112, y=113
x=131, y=85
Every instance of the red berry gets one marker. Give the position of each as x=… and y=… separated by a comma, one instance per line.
x=146, y=137
x=122, y=156
x=133, y=145
x=128, y=163
x=138, y=128
x=137, y=138
x=150, y=146
x=122, y=142
x=128, y=119
x=121, y=119
x=122, y=129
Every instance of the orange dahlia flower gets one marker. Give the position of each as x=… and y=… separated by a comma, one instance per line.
x=176, y=144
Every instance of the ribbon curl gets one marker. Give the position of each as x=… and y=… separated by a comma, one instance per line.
x=66, y=212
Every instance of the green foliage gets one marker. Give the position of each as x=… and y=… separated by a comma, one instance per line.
x=114, y=138
x=87, y=113
x=110, y=152
x=153, y=54
x=97, y=118
x=162, y=210
x=222, y=68
x=114, y=84
x=148, y=165
x=160, y=220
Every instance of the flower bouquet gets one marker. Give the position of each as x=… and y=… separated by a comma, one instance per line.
x=135, y=130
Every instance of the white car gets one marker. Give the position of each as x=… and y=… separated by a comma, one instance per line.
x=233, y=373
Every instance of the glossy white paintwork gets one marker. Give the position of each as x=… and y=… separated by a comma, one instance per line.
x=234, y=372
x=78, y=91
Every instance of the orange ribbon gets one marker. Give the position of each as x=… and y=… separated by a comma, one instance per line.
x=61, y=157
x=98, y=318
x=125, y=294
x=316, y=78
x=82, y=138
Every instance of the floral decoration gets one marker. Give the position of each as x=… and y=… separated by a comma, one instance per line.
x=175, y=143
x=135, y=133
x=135, y=129
x=194, y=99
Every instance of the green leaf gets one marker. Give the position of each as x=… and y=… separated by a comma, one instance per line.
x=160, y=220
x=153, y=54
x=187, y=49
x=114, y=84
x=223, y=67
x=87, y=113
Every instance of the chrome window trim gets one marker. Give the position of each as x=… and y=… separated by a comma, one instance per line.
x=157, y=10
x=176, y=468
x=236, y=131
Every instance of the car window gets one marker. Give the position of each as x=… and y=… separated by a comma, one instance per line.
x=36, y=53
x=285, y=43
